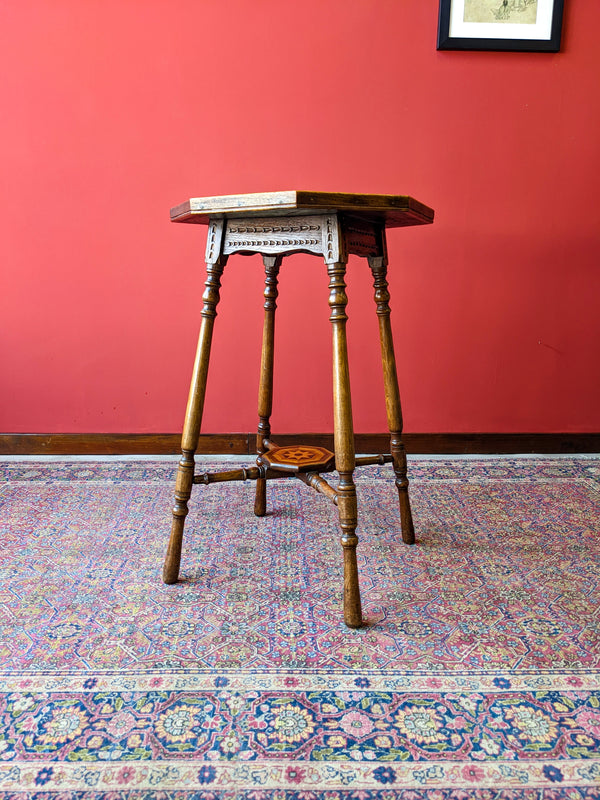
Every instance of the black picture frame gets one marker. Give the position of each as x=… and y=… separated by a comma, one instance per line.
x=549, y=43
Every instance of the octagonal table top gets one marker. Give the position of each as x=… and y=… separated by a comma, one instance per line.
x=393, y=211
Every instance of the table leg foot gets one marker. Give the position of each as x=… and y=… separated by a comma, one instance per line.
x=183, y=491
x=260, y=499
x=352, y=604
x=400, y=471
x=173, y=558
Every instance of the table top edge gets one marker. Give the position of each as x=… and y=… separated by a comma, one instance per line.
x=287, y=203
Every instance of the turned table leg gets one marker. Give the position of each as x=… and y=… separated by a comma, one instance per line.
x=392, y=394
x=344, y=443
x=193, y=419
x=265, y=389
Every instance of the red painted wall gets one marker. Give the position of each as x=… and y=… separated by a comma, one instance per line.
x=115, y=110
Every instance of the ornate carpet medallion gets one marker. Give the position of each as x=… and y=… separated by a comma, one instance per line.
x=476, y=676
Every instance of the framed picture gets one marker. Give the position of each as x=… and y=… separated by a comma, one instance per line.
x=533, y=25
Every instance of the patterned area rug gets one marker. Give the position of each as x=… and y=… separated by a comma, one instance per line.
x=476, y=676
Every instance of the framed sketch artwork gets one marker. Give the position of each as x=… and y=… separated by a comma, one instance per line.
x=500, y=25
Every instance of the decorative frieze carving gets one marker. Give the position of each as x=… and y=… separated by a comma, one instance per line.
x=302, y=229
x=325, y=235
x=362, y=238
x=214, y=239
x=331, y=241
x=274, y=235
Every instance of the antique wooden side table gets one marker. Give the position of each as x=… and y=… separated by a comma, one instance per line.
x=276, y=224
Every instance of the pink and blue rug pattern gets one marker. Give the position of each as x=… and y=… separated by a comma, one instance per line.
x=477, y=675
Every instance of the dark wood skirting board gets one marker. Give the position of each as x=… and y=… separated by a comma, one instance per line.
x=244, y=443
